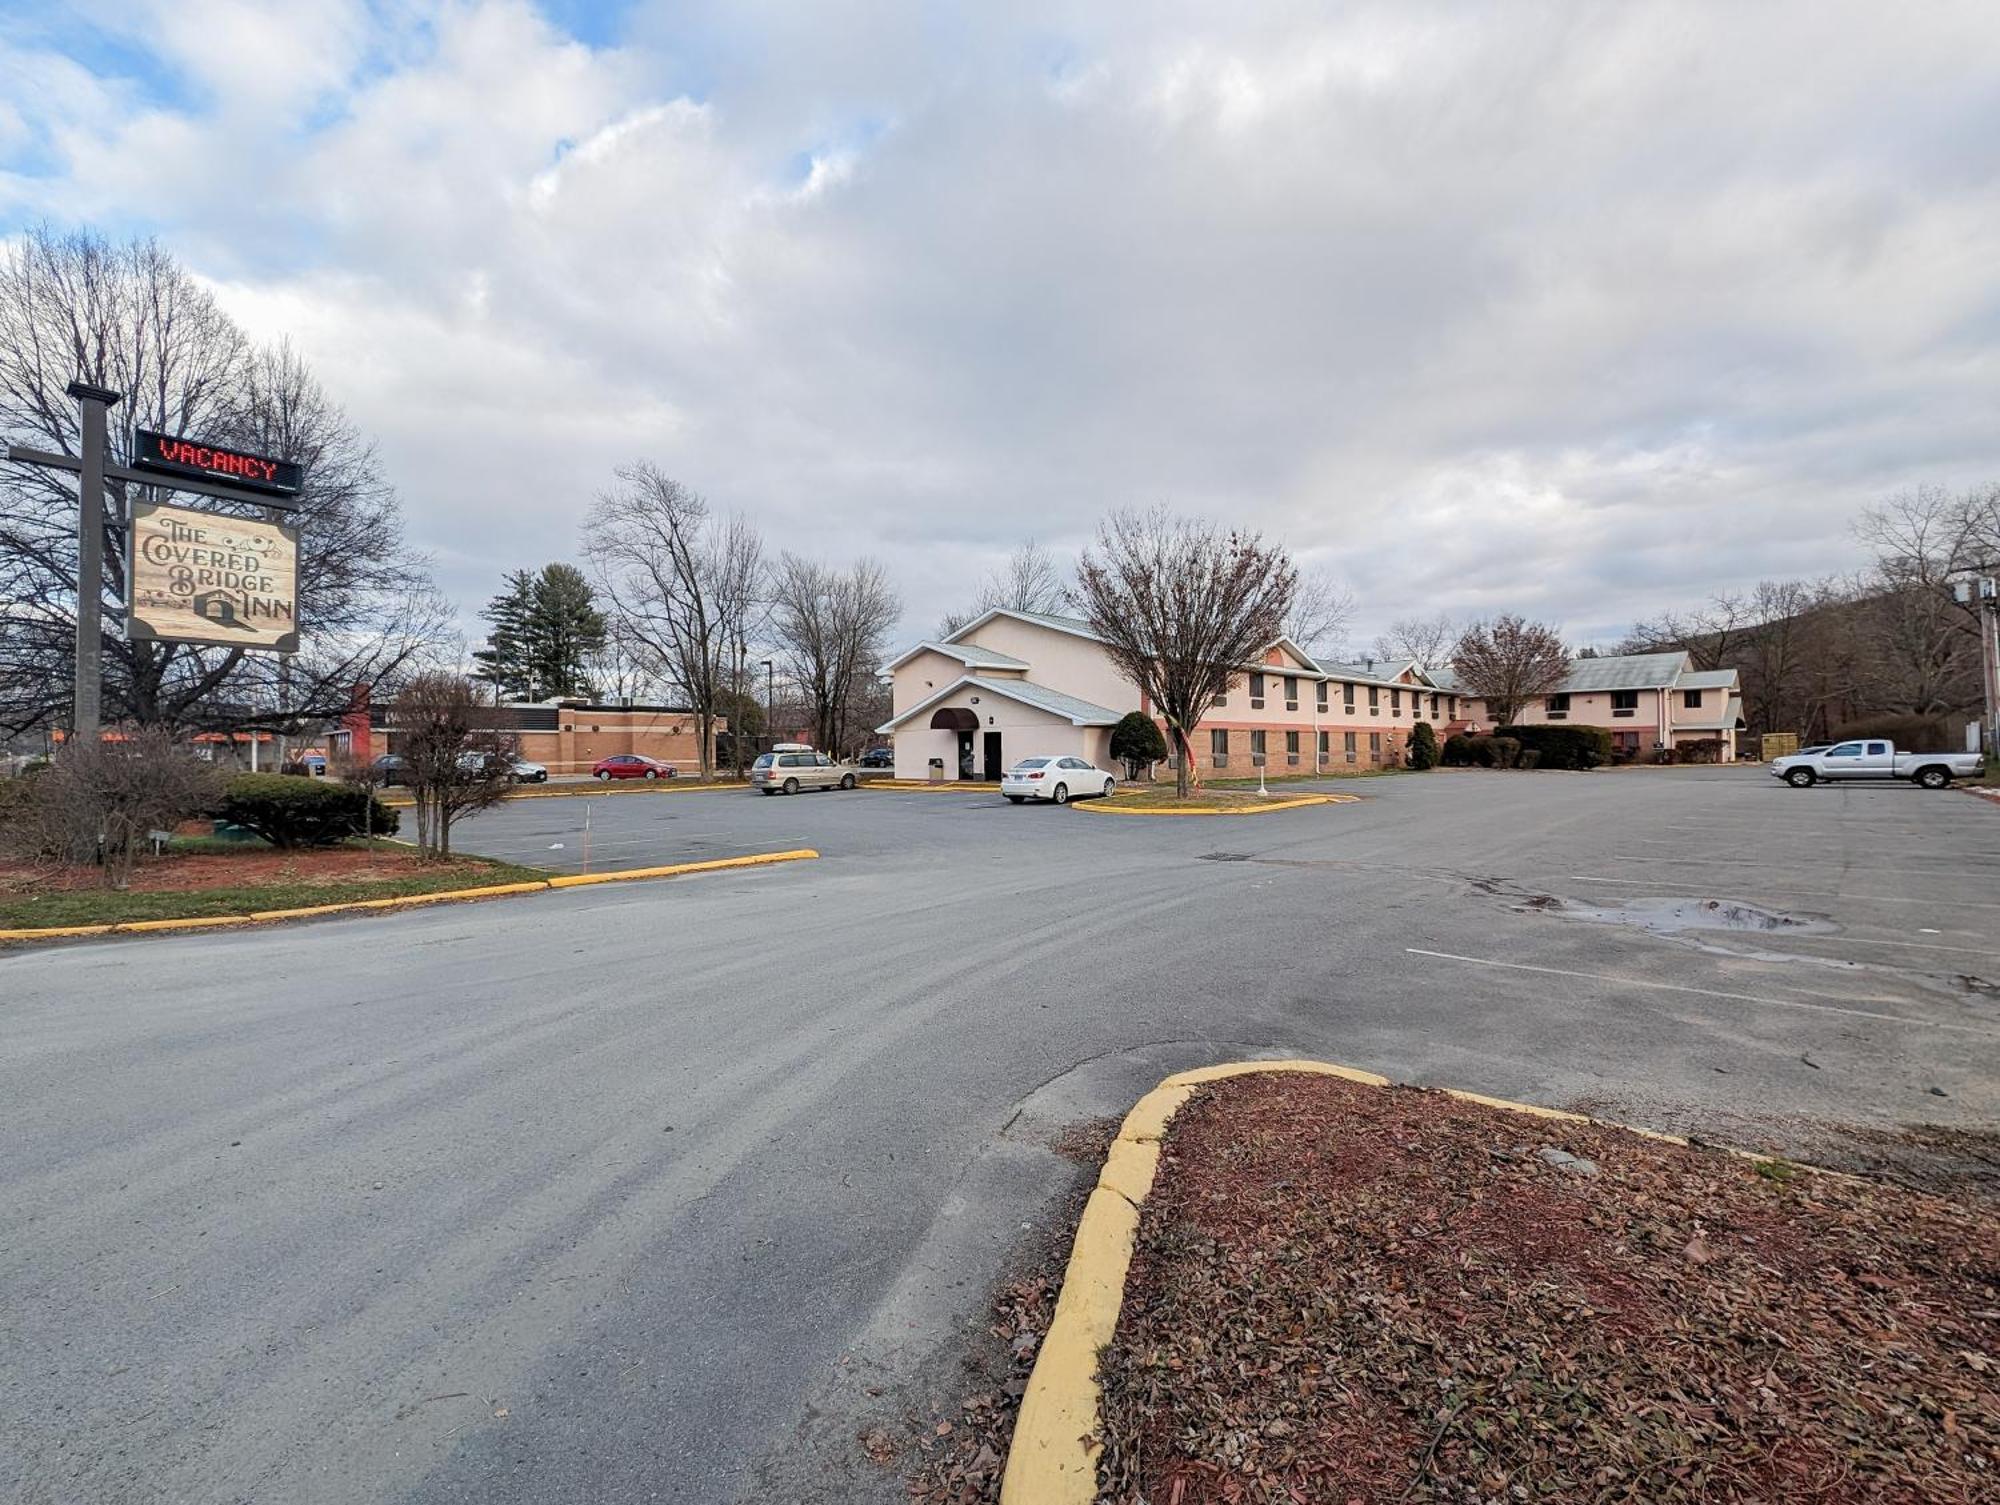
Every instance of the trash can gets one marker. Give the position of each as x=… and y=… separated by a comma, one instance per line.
x=937, y=770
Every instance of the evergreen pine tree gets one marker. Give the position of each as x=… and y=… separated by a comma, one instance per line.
x=504, y=659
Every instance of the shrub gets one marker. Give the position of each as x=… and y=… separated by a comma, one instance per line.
x=1564, y=746
x=99, y=802
x=290, y=811
x=1460, y=750
x=1423, y=746
x=1136, y=741
x=1530, y=757
x=1909, y=733
x=1500, y=752
x=1699, y=750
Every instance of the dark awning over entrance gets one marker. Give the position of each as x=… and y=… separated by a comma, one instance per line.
x=954, y=719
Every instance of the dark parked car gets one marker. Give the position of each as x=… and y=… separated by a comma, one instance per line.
x=879, y=757
x=390, y=769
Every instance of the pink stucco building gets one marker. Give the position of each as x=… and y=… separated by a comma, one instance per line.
x=1013, y=684
x=1647, y=701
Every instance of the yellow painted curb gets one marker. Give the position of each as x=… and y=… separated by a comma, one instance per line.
x=1097, y=807
x=404, y=901
x=714, y=864
x=1053, y=1457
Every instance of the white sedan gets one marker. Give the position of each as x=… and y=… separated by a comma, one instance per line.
x=1057, y=779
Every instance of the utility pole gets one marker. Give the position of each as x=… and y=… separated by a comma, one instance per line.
x=85, y=715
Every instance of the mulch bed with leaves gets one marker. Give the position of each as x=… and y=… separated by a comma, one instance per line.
x=1352, y=1294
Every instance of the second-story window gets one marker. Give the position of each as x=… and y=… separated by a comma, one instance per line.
x=1691, y=699
x=1557, y=707
x=1319, y=696
x=1374, y=700
x=1256, y=692
x=1291, y=692
x=1395, y=702
x=1347, y=698
x=1624, y=702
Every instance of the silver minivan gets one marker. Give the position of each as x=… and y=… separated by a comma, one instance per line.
x=790, y=769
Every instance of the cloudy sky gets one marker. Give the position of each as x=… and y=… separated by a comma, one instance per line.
x=1578, y=310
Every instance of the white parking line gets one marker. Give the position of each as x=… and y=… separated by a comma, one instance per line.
x=1674, y=987
x=1914, y=872
x=1808, y=893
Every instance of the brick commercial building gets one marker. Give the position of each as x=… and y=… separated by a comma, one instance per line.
x=1015, y=684
x=569, y=736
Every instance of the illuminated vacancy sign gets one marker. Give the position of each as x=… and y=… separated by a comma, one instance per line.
x=200, y=577
x=211, y=462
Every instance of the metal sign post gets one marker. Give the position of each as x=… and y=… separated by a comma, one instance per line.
x=96, y=402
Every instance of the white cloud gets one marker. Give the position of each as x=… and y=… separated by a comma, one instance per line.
x=1581, y=310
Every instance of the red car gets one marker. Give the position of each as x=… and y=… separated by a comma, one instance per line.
x=631, y=766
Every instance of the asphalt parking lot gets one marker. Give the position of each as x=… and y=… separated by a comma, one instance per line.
x=661, y=1191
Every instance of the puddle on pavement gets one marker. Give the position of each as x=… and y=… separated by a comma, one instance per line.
x=1685, y=916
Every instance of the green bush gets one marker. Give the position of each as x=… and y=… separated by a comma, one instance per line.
x=1530, y=757
x=1461, y=750
x=290, y=811
x=1423, y=752
x=1136, y=741
x=1909, y=733
x=1564, y=746
x=1699, y=750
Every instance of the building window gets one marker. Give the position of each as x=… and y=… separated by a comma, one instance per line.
x=1691, y=699
x=1291, y=692
x=1292, y=749
x=1218, y=746
x=1395, y=702
x=1374, y=701
x=1434, y=708
x=1374, y=747
x=1256, y=749
x=1556, y=707
x=1319, y=696
x=1347, y=698
x=1256, y=692
x=1624, y=702
x=1324, y=739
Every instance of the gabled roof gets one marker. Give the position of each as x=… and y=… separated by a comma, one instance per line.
x=1707, y=679
x=1624, y=671
x=972, y=655
x=1073, y=710
x=1074, y=626
x=1376, y=671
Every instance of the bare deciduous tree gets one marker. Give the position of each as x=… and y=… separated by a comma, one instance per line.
x=1321, y=612
x=1426, y=640
x=683, y=586
x=830, y=626
x=454, y=761
x=1928, y=640
x=1182, y=606
x=1509, y=661
x=1028, y=581
x=129, y=318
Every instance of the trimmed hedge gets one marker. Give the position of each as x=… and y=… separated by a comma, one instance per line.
x=1468, y=751
x=289, y=810
x=1564, y=746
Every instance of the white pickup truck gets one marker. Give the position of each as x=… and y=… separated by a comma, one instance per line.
x=1870, y=759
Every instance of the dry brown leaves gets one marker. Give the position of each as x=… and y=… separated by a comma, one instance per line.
x=1348, y=1294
